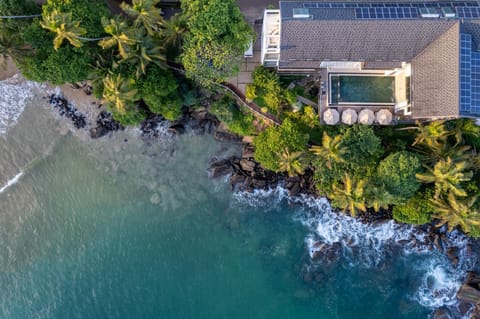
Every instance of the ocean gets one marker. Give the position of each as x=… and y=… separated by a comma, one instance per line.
x=121, y=227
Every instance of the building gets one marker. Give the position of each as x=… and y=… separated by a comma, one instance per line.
x=421, y=60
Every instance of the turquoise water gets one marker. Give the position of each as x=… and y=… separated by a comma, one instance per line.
x=122, y=228
x=361, y=89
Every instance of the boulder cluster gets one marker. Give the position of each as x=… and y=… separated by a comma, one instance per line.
x=66, y=109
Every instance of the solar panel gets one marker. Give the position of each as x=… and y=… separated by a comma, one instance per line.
x=465, y=72
x=386, y=13
x=468, y=12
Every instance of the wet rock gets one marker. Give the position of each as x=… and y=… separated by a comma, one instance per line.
x=177, y=128
x=227, y=137
x=67, y=110
x=258, y=184
x=237, y=179
x=98, y=132
x=105, y=124
x=452, y=254
x=468, y=294
x=464, y=308
x=221, y=168
x=247, y=151
x=247, y=165
x=442, y=313
x=472, y=279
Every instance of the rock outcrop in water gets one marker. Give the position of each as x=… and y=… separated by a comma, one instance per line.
x=105, y=124
x=469, y=293
x=67, y=110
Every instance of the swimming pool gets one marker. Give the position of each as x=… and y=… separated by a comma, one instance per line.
x=362, y=89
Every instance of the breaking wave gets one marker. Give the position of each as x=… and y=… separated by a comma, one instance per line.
x=15, y=93
x=11, y=182
x=370, y=244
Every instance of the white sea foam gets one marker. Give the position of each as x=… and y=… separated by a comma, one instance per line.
x=368, y=244
x=15, y=93
x=11, y=182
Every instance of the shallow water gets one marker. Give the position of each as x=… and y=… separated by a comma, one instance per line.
x=123, y=228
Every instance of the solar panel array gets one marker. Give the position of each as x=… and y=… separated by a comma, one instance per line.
x=469, y=77
x=465, y=72
x=475, y=84
x=386, y=13
x=320, y=5
x=468, y=12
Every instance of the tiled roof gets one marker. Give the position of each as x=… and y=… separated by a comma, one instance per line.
x=435, y=77
x=313, y=41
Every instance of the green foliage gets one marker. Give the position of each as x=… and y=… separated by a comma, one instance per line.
x=397, y=172
x=275, y=139
x=266, y=90
x=159, y=90
x=120, y=98
x=15, y=8
x=88, y=12
x=417, y=210
x=228, y=112
x=364, y=149
x=349, y=195
x=67, y=64
x=216, y=38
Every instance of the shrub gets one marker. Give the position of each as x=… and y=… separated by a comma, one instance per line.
x=159, y=90
x=364, y=149
x=267, y=90
x=275, y=139
x=417, y=210
x=228, y=113
x=250, y=93
x=397, y=172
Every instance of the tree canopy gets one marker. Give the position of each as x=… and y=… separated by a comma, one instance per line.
x=216, y=37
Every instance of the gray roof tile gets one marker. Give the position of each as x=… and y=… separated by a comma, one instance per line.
x=435, y=77
x=356, y=40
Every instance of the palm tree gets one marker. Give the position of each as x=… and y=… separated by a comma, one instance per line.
x=431, y=135
x=331, y=150
x=173, y=30
x=118, y=93
x=293, y=163
x=121, y=36
x=379, y=197
x=457, y=213
x=64, y=27
x=465, y=127
x=147, y=50
x=447, y=176
x=350, y=196
x=11, y=45
x=144, y=14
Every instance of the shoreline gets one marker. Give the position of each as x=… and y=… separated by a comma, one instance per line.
x=245, y=174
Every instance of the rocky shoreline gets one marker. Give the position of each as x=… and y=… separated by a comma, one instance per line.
x=246, y=175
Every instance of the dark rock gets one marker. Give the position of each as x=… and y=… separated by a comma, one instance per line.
x=221, y=168
x=475, y=313
x=441, y=313
x=198, y=129
x=237, y=179
x=294, y=189
x=473, y=279
x=247, y=151
x=177, y=128
x=227, y=137
x=98, y=132
x=464, y=307
x=247, y=165
x=66, y=109
x=259, y=184
x=469, y=294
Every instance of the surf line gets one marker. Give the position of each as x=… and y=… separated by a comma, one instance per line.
x=11, y=182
